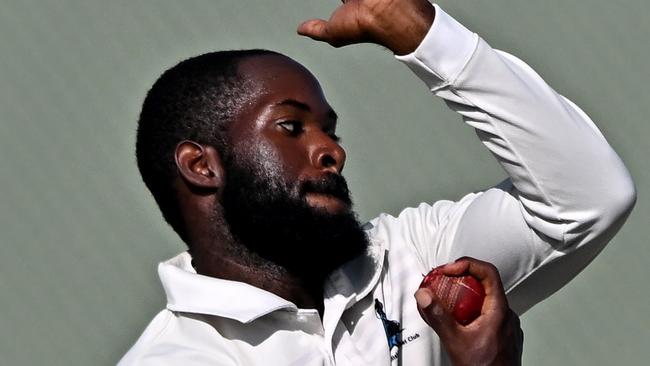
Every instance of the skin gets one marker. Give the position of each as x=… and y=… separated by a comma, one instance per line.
x=288, y=127
x=399, y=25
x=292, y=123
x=284, y=91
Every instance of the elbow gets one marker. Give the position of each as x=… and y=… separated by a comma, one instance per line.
x=614, y=206
x=604, y=214
x=629, y=199
x=619, y=199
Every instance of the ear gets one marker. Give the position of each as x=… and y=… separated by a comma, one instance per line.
x=200, y=166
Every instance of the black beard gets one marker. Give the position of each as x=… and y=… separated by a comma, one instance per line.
x=275, y=223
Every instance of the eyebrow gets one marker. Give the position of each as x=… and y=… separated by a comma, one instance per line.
x=302, y=106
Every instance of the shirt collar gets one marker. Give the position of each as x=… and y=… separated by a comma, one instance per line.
x=355, y=279
x=188, y=291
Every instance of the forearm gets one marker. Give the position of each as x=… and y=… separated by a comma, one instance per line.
x=568, y=187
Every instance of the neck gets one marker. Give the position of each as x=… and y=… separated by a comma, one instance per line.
x=216, y=254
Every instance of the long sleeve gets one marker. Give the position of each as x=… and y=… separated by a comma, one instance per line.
x=567, y=194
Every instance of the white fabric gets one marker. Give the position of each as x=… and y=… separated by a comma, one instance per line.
x=568, y=193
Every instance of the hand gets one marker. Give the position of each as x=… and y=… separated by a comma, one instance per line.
x=399, y=25
x=494, y=338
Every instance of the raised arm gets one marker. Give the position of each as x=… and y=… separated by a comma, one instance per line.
x=567, y=193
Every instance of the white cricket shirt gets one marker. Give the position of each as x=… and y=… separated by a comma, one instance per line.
x=566, y=196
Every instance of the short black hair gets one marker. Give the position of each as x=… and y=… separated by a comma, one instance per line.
x=194, y=100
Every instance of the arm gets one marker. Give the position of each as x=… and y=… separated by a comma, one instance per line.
x=567, y=192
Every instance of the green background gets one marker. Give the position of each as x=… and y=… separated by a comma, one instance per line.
x=81, y=236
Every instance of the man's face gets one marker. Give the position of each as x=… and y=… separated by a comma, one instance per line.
x=284, y=197
x=288, y=126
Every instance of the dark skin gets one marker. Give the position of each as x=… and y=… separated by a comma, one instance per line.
x=288, y=127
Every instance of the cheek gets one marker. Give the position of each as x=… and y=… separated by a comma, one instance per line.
x=286, y=157
x=280, y=166
x=268, y=159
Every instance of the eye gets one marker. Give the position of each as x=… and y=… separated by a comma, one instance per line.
x=293, y=127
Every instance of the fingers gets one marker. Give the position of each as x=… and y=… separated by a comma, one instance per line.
x=434, y=314
x=495, y=302
x=314, y=29
x=322, y=30
x=467, y=265
x=485, y=272
x=341, y=29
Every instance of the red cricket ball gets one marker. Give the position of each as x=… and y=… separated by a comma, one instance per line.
x=462, y=296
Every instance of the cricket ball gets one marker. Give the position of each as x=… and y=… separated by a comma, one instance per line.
x=462, y=296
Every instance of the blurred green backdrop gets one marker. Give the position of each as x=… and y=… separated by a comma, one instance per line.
x=81, y=235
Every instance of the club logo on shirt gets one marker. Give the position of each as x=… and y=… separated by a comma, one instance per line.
x=393, y=331
x=392, y=328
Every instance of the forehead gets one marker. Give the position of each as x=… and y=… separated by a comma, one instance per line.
x=274, y=78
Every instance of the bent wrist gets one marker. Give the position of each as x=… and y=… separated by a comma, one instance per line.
x=406, y=31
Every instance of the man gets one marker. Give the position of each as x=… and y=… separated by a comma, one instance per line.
x=239, y=149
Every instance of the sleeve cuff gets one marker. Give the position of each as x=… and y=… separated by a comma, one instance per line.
x=443, y=53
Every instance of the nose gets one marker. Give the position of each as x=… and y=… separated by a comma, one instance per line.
x=328, y=156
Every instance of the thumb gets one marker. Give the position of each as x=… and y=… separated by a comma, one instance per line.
x=314, y=29
x=433, y=313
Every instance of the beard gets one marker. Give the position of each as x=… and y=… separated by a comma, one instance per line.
x=274, y=225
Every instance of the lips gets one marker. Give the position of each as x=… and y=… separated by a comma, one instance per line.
x=331, y=186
